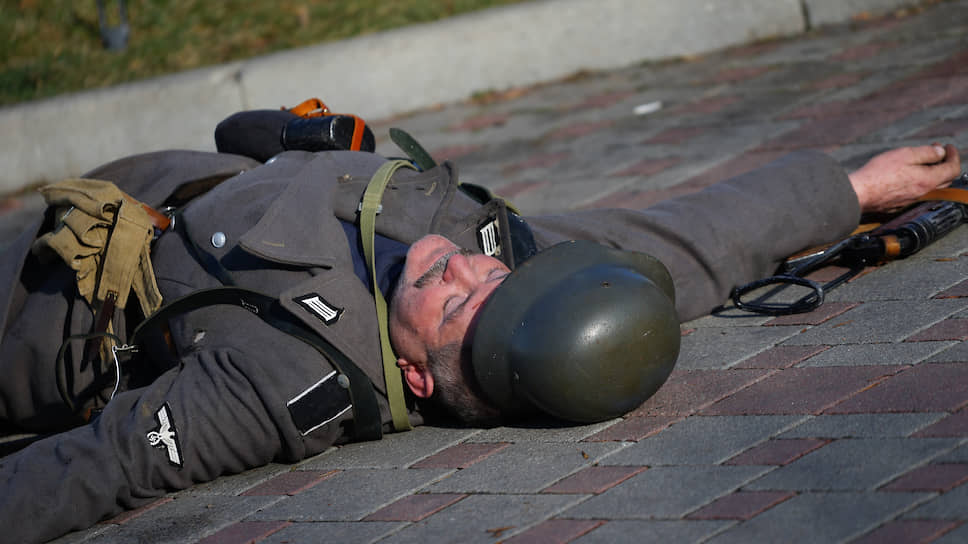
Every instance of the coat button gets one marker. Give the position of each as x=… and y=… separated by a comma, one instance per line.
x=218, y=239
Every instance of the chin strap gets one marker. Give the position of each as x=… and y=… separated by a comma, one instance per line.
x=369, y=209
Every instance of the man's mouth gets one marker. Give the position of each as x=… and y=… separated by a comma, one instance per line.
x=436, y=270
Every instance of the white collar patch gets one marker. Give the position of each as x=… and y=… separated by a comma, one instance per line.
x=320, y=307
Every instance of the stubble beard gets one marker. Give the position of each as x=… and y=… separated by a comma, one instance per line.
x=455, y=387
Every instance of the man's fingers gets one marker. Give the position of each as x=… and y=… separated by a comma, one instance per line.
x=928, y=154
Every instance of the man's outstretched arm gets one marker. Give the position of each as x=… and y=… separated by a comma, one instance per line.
x=738, y=230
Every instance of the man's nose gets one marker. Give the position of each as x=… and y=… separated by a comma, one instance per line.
x=459, y=270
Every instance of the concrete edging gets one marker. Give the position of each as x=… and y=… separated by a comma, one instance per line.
x=392, y=72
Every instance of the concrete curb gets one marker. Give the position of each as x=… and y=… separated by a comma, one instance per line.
x=393, y=72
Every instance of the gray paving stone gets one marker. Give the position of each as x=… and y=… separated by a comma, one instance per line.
x=333, y=531
x=854, y=464
x=395, y=450
x=541, y=430
x=820, y=517
x=950, y=505
x=638, y=531
x=904, y=353
x=908, y=279
x=729, y=316
x=86, y=535
x=957, y=353
x=957, y=536
x=665, y=492
x=484, y=518
x=957, y=455
x=953, y=245
x=915, y=122
x=184, y=520
x=238, y=483
x=863, y=425
x=524, y=468
x=877, y=322
x=350, y=495
x=723, y=347
x=701, y=440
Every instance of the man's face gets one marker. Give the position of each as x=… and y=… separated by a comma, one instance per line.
x=436, y=302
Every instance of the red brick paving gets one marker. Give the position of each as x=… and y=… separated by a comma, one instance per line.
x=838, y=130
x=594, y=480
x=414, y=507
x=244, y=531
x=928, y=387
x=741, y=505
x=291, y=483
x=800, y=390
x=907, y=531
x=862, y=51
x=461, y=455
x=604, y=100
x=577, y=130
x=454, y=152
x=633, y=429
x=829, y=273
x=555, y=531
x=777, y=452
x=753, y=50
x=955, y=64
x=688, y=391
x=914, y=94
x=711, y=104
x=826, y=311
x=517, y=188
x=941, y=129
x=949, y=329
x=947, y=92
x=781, y=357
x=940, y=477
x=838, y=81
x=675, y=135
x=819, y=110
x=739, y=74
x=647, y=167
x=480, y=122
x=952, y=426
x=539, y=160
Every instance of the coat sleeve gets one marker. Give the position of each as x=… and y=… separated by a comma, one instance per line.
x=728, y=234
x=221, y=411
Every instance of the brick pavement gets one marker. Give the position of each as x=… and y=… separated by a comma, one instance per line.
x=848, y=424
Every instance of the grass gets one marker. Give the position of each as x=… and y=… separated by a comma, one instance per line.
x=51, y=47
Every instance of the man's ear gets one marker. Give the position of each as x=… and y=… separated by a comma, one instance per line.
x=418, y=378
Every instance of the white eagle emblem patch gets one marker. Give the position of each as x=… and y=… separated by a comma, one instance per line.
x=165, y=436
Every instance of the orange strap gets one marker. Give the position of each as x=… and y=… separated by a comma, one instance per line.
x=315, y=107
x=951, y=194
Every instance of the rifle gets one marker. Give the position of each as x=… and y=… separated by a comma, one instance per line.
x=905, y=235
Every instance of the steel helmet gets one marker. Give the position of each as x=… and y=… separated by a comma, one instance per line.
x=580, y=331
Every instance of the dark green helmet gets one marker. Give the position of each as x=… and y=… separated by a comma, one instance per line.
x=580, y=331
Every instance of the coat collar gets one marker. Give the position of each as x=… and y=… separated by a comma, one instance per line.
x=299, y=228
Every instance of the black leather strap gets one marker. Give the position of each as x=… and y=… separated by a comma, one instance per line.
x=367, y=423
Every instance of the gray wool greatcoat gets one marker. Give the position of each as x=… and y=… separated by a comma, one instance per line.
x=223, y=404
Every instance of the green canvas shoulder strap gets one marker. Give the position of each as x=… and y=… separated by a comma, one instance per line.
x=368, y=211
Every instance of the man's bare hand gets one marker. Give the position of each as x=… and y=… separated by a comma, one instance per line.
x=896, y=178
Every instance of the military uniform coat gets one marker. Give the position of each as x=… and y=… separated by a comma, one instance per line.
x=222, y=403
